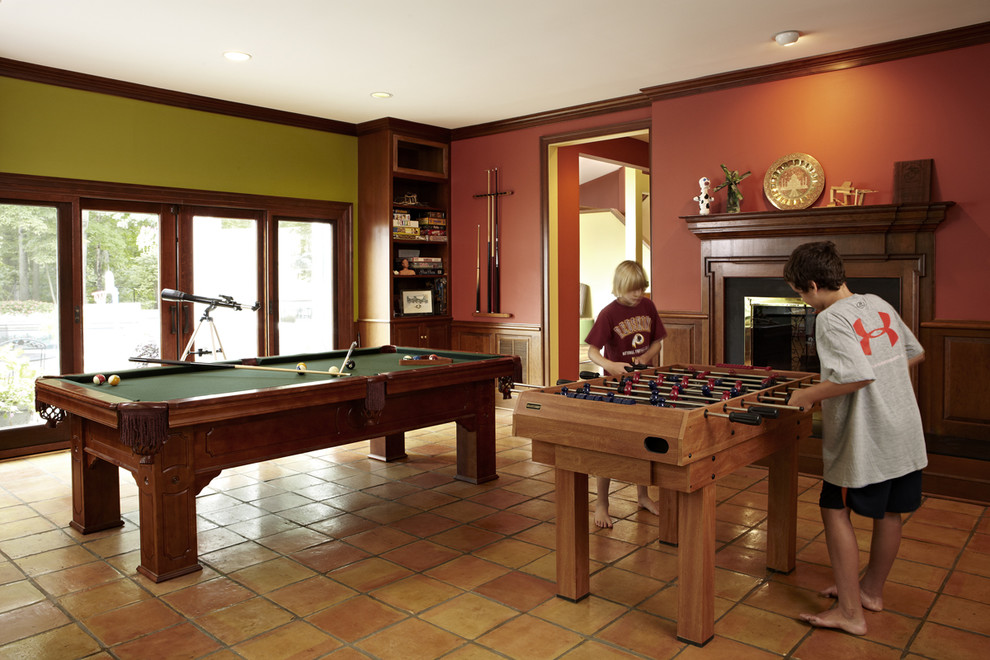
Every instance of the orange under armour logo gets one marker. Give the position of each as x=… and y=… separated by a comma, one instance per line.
x=872, y=334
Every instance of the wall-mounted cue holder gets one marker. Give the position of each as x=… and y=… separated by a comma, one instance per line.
x=492, y=257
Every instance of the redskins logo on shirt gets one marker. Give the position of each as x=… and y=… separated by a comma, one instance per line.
x=637, y=326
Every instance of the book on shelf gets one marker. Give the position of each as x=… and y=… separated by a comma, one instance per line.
x=424, y=265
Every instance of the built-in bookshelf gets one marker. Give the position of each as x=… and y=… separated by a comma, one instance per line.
x=403, y=184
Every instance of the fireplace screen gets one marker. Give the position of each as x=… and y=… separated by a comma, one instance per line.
x=779, y=333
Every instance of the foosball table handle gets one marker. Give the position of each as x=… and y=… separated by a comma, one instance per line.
x=748, y=418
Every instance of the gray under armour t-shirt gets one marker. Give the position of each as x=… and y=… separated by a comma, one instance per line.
x=873, y=434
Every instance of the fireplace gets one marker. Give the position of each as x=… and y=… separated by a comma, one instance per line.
x=888, y=250
x=767, y=325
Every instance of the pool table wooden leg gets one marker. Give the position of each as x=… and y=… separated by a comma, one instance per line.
x=95, y=486
x=388, y=448
x=476, y=436
x=167, y=499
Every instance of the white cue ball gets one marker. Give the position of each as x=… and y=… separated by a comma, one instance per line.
x=334, y=370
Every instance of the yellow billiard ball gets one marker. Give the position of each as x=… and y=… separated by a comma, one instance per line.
x=301, y=367
x=114, y=379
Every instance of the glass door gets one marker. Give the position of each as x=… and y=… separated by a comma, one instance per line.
x=306, y=286
x=121, y=275
x=218, y=260
x=29, y=299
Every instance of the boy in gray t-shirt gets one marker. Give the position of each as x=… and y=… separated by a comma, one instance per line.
x=873, y=444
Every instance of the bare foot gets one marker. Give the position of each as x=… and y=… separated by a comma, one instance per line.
x=834, y=618
x=870, y=603
x=602, y=518
x=649, y=505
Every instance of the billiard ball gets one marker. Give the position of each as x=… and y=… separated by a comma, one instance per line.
x=433, y=356
x=334, y=370
x=99, y=379
x=301, y=367
x=350, y=364
x=114, y=379
x=408, y=357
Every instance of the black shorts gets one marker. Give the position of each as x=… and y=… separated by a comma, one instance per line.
x=900, y=495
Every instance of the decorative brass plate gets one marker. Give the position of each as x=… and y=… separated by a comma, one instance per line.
x=794, y=181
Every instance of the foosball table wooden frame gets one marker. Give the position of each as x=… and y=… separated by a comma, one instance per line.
x=740, y=417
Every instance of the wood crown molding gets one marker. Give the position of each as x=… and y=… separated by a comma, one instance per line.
x=404, y=127
x=972, y=35
x=74, y=80
x=931, y=43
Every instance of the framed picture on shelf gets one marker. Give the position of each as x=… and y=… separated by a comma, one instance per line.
x=417, y=302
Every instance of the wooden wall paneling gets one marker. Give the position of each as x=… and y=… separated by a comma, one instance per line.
x=525, y=341
x=686, y=338
x=953, y=382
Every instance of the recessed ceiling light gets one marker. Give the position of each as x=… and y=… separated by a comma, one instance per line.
x=787, y=37
x=237, y=56
x=382, y=95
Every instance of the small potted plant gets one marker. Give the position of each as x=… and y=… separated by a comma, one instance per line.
x=733, y=196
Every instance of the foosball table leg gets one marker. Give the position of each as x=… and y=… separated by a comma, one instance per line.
x=696, y=566
x=667, y=504
x=573, y=554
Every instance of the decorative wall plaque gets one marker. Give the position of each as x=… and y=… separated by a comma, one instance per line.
x=913, y=181
x=794, y=181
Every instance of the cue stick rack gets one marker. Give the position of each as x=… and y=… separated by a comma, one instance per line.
x=492, y=252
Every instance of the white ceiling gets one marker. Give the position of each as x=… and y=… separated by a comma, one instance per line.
x=450, y=63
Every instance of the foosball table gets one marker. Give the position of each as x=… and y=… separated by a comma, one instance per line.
x=681, y=428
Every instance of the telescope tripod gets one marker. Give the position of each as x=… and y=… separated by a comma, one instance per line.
x=215, y=342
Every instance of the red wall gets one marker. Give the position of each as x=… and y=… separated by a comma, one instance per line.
x=517, y=157
x=856, y=122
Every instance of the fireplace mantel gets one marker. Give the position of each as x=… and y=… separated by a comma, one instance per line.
x=821, y=221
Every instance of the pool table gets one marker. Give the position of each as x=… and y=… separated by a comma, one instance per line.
x=176, y=427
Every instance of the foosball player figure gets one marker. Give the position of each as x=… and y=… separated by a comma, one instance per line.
x=630, y=332
x=873, y=444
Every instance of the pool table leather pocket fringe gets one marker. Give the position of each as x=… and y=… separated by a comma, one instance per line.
x=143, y=427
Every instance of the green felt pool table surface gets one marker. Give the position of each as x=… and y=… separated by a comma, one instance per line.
x=167, y=383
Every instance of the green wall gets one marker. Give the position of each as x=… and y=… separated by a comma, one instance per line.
x=55, y=131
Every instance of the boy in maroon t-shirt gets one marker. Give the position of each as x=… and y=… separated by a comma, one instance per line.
x=630, y=331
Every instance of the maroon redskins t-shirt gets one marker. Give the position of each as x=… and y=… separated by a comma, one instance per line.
x=626, y=332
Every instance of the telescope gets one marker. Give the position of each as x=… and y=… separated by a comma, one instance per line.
x=222, y=301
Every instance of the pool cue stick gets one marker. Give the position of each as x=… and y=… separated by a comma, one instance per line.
x=223, y=365
x=491, y=246
x=477, y=276
x=348, y=356
x=496, y=277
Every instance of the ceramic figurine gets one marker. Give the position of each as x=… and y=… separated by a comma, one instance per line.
x=704, y=199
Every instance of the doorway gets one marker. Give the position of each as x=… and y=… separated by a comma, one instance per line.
x=589, y=229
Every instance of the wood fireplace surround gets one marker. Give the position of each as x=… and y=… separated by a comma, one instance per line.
x=888, y=241
x=880, y=241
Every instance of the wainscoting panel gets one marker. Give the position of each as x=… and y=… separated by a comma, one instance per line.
x=687, y=338
x=955, y=380
x=503, y=339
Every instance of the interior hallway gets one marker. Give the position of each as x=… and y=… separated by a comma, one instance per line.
x=330, y=554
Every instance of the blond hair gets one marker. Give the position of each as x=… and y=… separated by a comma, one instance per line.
x=629, y=276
